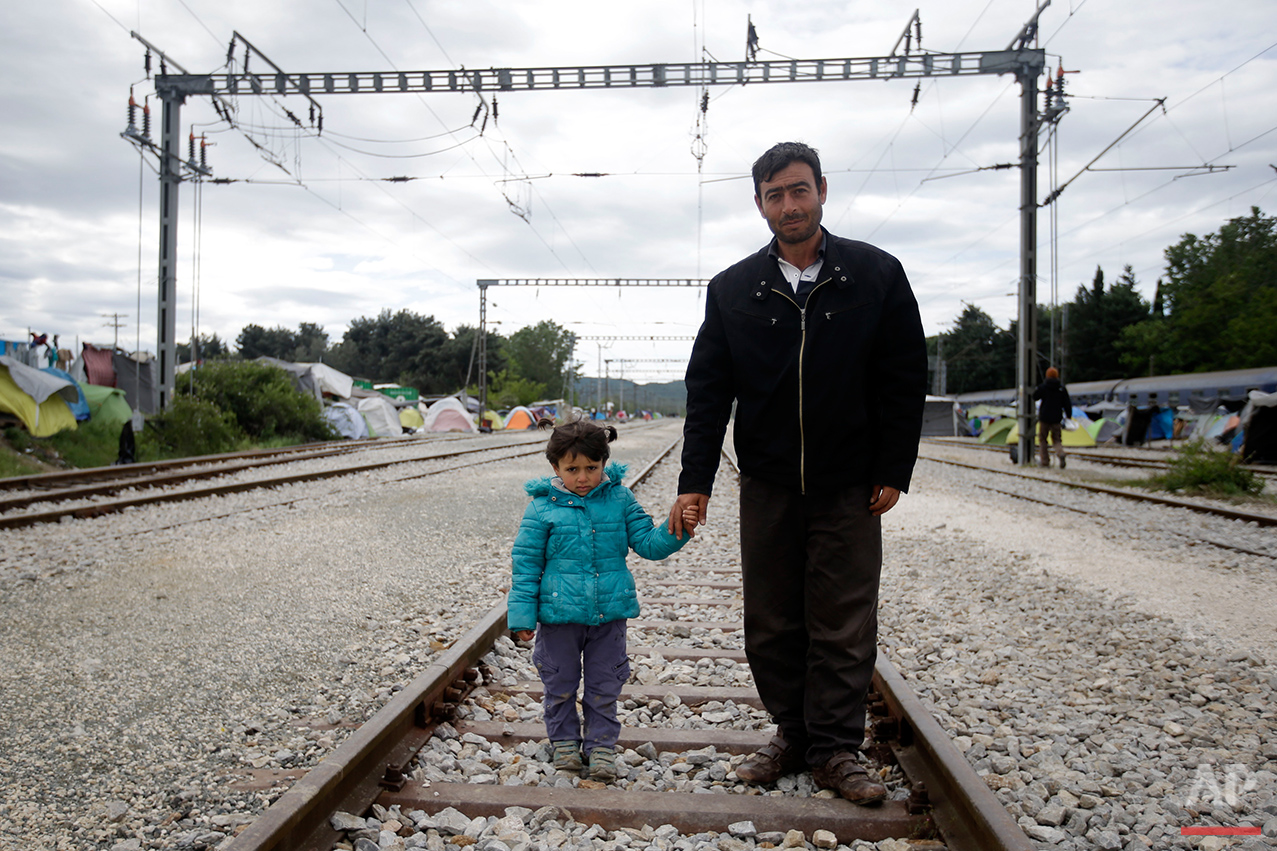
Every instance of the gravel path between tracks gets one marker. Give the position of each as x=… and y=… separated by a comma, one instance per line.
x=1109, y=700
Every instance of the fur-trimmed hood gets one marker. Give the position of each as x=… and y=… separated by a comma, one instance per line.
x=613, y=474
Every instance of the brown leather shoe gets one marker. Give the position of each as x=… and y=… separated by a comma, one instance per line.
x=773, y=761
x=848, y=778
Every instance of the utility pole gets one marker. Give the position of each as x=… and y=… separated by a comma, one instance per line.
x=116, y=324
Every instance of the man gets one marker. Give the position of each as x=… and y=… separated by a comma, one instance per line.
x=818, y=341
x=1055, y=406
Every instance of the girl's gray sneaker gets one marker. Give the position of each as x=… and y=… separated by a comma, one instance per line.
x=603, y=764
x=567, y=756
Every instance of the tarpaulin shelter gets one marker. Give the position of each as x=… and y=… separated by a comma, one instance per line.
x=346, y=420
x=520, y=418
x=940, y=418
x=135, y=375
x=995, y=433
x=106, y=404
x=448, y=414
x=99, y=365
x=1259, y=425
x=39, y=400
x=80, y=407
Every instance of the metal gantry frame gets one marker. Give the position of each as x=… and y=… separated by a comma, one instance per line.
x=1027, y=64
x=484, y=283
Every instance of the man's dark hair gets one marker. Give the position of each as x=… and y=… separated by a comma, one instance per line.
x=782, y=155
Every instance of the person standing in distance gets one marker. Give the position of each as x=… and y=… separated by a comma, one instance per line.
x=1055, y=406
x=818, y=341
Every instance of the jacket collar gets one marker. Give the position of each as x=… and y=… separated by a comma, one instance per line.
x=835, y=269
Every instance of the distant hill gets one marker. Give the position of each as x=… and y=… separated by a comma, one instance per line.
x=667, y=398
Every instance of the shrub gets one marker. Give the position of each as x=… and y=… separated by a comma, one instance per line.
x=262, y=400
x=1199, y=469
x=189, y=427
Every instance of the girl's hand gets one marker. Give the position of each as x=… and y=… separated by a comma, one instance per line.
x=525, y=634
x=691, y=514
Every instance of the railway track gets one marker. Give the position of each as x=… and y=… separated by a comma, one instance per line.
x=106, y=490
x=1097, y=456
x=389, y=767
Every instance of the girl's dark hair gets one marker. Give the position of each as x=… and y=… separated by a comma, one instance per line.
x=579, y=437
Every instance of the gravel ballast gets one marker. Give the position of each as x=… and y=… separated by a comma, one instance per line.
x=1113, y=686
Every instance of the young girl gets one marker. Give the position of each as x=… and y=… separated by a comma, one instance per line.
x=570, y=578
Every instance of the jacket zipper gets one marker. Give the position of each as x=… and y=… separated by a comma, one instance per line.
x=802, y=344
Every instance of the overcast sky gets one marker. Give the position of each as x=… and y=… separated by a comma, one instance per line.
x=311, y=231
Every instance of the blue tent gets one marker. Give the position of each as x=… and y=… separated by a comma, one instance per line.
x=79, y=408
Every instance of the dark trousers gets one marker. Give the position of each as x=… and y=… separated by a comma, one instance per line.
x=563, y=653
x=1055, y=432
x=810, y=567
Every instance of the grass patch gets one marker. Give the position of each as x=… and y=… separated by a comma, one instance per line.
x=1202, y=471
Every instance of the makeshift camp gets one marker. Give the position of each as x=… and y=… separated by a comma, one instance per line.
x=939, y=418
x=1103, y=429
x=80, y=407
x=1076, y=437
x=106, y=404
x=448, y=414
x=39, y=400
x=411, y=418
x=383, y=419
x=995, y=433
x=520, y=418
x=494, y=420
x=346, y=420
x=1259, y=424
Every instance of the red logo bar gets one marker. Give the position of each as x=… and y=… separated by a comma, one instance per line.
x=1221, y=831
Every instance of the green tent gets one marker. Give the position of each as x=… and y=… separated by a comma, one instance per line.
x=107, y=404
x=995, y=433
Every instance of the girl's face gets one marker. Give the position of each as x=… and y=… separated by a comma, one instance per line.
x=579, y=473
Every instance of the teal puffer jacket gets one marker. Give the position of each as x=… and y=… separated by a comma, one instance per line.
x=569, y=555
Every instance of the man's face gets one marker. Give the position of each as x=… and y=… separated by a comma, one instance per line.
x=791, y=202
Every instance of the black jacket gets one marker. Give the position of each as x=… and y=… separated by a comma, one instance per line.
x=826, y=397
x=1056, y=404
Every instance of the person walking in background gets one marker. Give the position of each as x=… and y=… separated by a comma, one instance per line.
x=1055, y=406
x=818, y=341
x=570, y=584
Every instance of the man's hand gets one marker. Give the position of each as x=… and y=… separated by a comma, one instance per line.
x=882, y=499
x=689, y=511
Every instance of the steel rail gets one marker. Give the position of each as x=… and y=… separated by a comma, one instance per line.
x=98, y=509
x=1098, y=457
x=1173, y=502
x=369, y=768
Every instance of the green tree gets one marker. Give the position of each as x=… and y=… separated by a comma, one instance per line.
x=254, y=342
x=208, y=346
x=403, y=347
x=261, y=400
x=979, y=354
x=1220, y=303
x=309, y=343
x=506, y=390
x=1097, y=319
x=541, y=353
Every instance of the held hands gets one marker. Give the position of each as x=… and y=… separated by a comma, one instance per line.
x=525, y=634
x=689, y=511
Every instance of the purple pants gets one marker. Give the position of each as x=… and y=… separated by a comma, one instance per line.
x=563, y=653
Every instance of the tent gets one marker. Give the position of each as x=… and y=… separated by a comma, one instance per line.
x=379, y=411
x=938, y=418
x=448, y=414
x=494, y=420
x=1259, y=422
x=1077, y=437
x=80, y=407
x=1102, y=429
x=346, y=420
x=106, y=404
x=39, y=400
x=995, y=433
x=520, y=418
x=411, y=418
